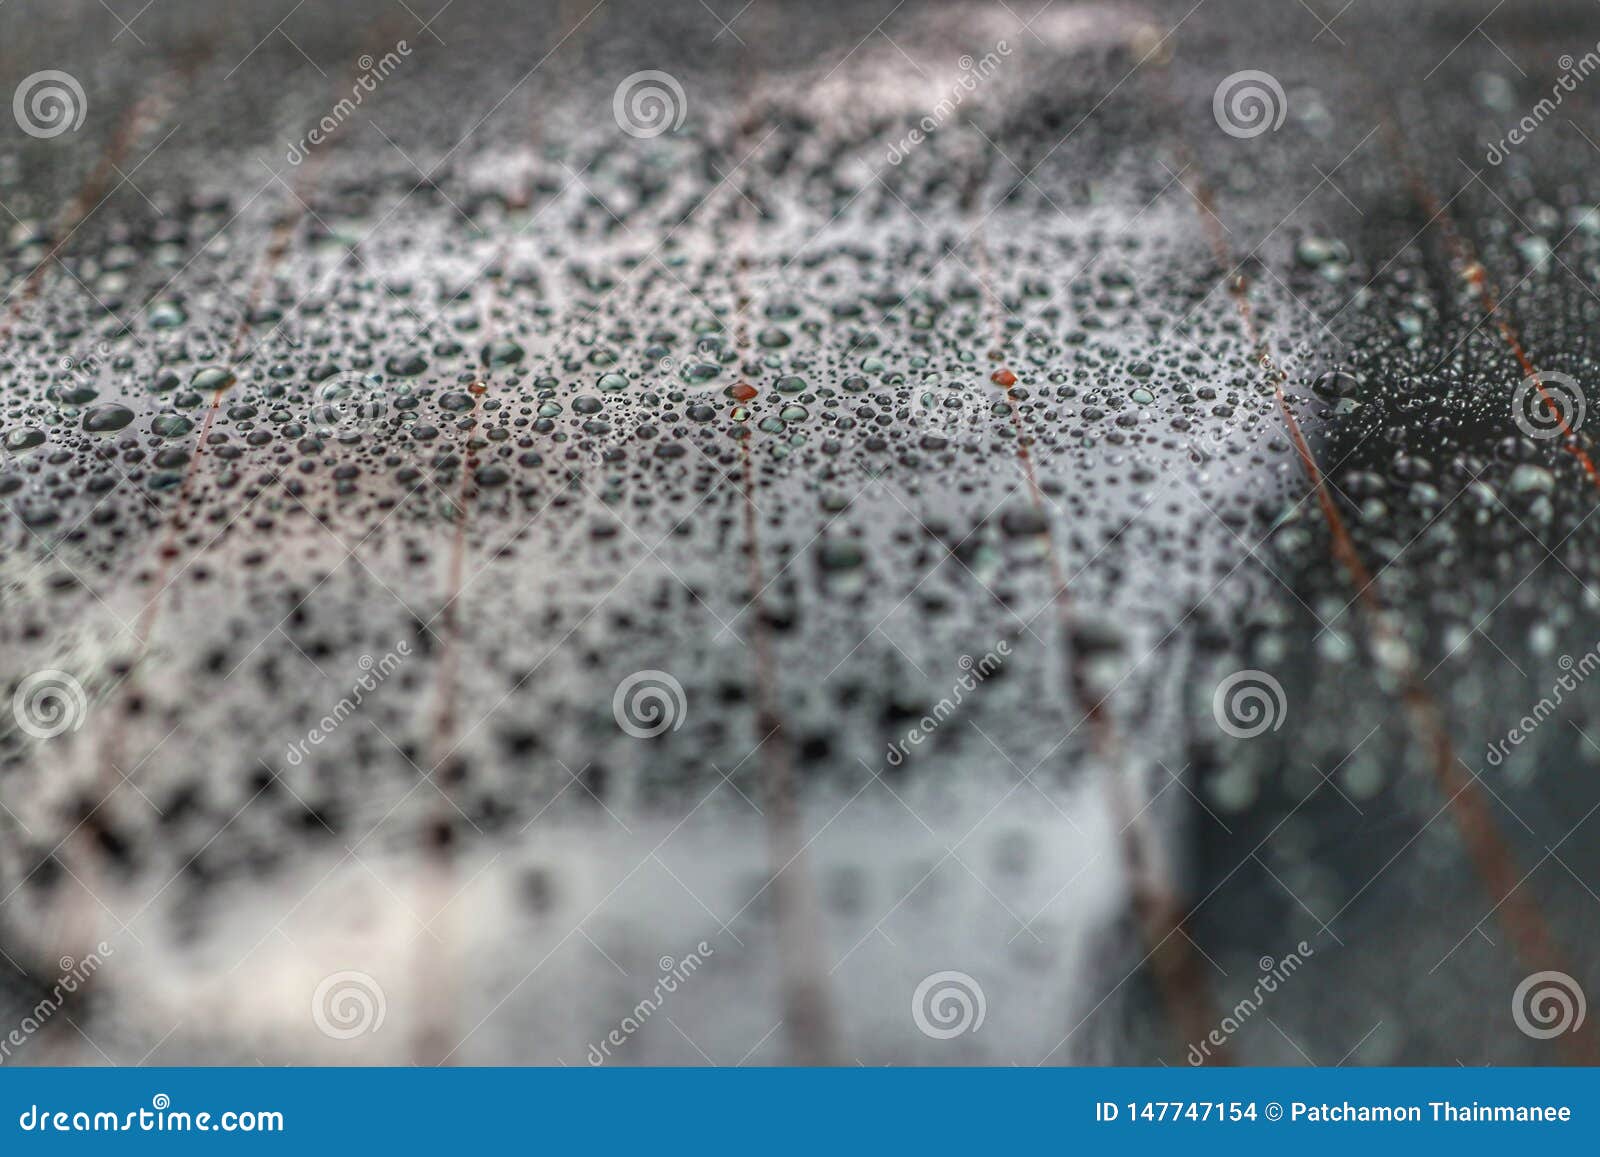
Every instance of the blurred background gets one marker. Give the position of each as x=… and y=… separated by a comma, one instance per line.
x=888, y=533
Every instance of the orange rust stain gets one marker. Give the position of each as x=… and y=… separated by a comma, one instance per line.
x=1160, y=916
x=1473, y=272
x=1491, y=856
x=89, y=197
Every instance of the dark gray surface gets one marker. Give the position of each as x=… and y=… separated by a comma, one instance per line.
x=532, y=562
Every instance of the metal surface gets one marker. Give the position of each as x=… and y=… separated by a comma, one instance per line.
x=1080, y=392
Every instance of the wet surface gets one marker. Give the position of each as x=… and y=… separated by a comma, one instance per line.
x=474, y=564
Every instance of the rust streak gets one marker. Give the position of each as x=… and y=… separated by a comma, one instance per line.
x=79, y=917
x=807, y=1013
x=1173, y=961
x=111, y=749
x=276, y=250
x=131, y=127
x=437, y=987
x=1471, y=269
x=437, y=980
x=1492, y=856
